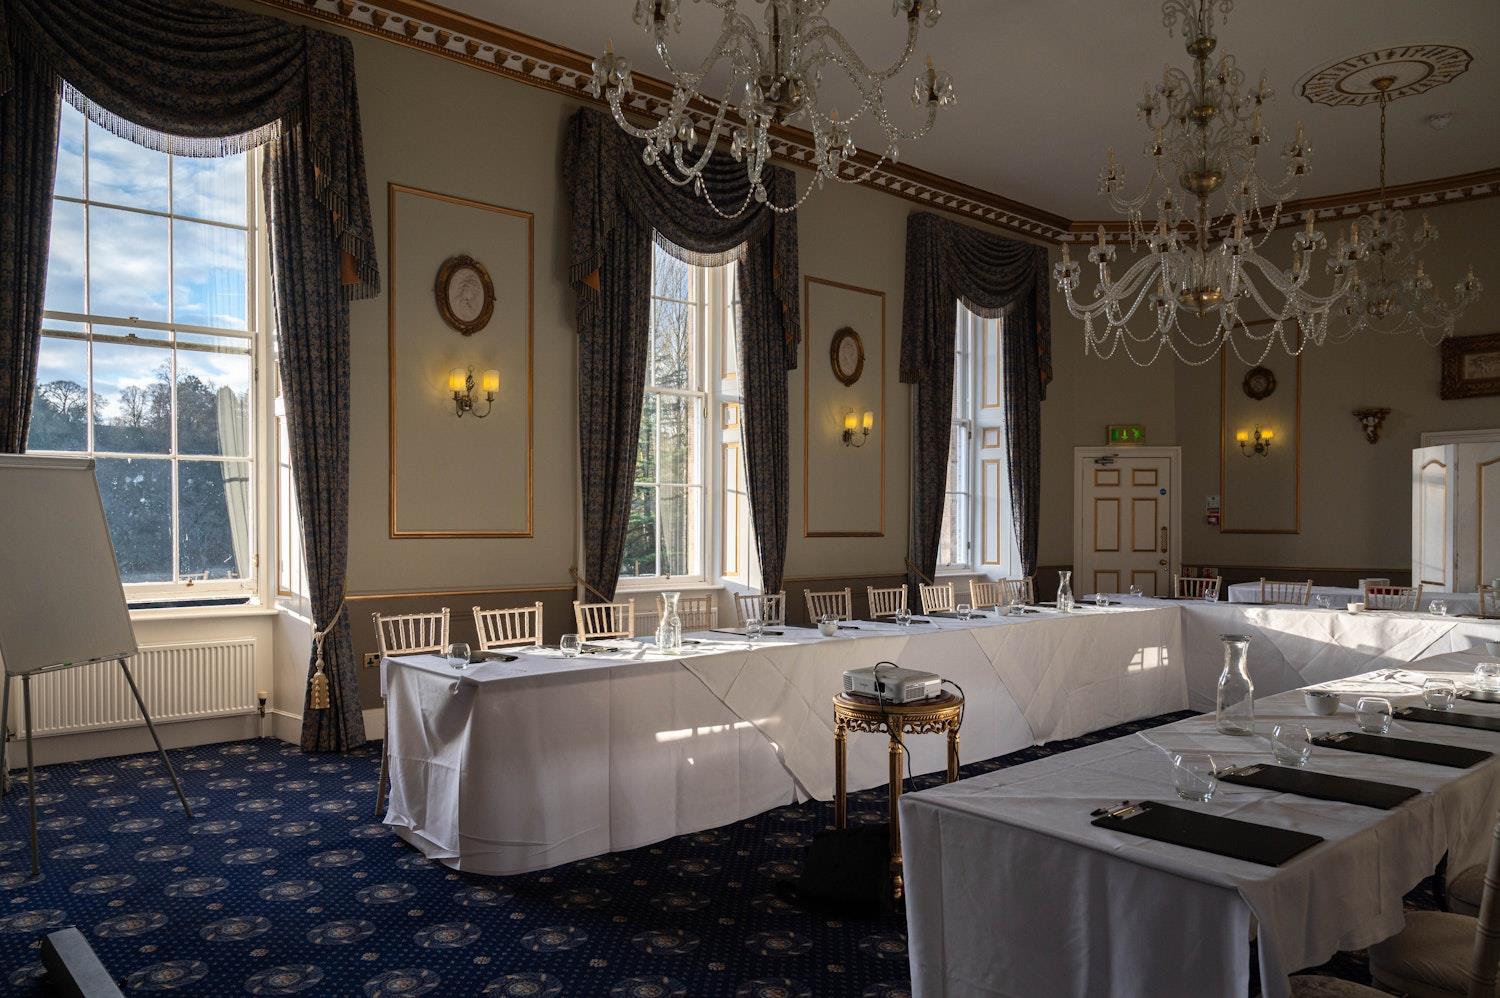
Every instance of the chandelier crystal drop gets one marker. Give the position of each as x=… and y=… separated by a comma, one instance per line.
x=1390, y=291
x=771, y=75
x=1213, y=210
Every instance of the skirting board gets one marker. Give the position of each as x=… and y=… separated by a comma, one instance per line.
x=132, y=740
x=287, y=726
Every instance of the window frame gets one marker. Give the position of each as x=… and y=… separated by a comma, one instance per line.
x=258, y=335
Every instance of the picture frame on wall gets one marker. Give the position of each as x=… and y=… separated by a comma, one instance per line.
x=1471, y=366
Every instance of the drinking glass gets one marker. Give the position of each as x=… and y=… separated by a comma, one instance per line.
x=1321, y=602
x=1438, y=607
x=568, y=644
x=1373, y=715
x=1487, y=676
x=1193, y=775
x=1101, y=599
x=903, y=617
x=1137, y=591
x=458, y=654
x=752, y=629
x=964, y=611
x=1291, y=744
x=1017, y=603
x=1439, y=694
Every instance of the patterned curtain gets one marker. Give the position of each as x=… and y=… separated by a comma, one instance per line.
x=192, y=78
x=947, y=262
x=619, y=204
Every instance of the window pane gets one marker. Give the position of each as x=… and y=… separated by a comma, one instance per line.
x=951, y=548
x=679, y=546
x=208, y=275
x=213, y=395
x=65, y=261
x=127, y=264
x=69, y=181
x=645, y=448
x=640, y=534
x=676, y=426
x=121, y=172
x=133, y=392
x=670, y=277
x=59, y=408
x=213, y=519
x=137, y=495
x=671, y=345
x=210, y=188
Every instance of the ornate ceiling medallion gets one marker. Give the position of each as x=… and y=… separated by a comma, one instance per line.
x=1415, y=69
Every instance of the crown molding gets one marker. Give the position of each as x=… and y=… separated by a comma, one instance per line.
x=535, y=62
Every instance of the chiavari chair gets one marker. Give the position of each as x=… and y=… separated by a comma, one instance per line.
x=697, y=613
x=604, y=620
x=984, y=595
x=1293, y=593
x=1392, y=597
x=509, y=628
x=405, y=634
x=886, y=602
x=768, y=608
x=1196, y=587
x=937, y=598
x=836, y=603
x=1489, y=601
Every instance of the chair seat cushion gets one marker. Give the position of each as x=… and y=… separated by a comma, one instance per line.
x=1314, y=986
x=1465, y=890
x=1427, y=959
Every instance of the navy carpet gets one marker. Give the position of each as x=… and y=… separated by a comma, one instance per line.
x=285, y=885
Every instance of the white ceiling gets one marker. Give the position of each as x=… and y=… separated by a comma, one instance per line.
x=1045, y=86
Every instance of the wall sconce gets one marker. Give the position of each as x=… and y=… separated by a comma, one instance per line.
x=1370, y=420
x=1256, y=443
x=855, y=433
x=461, y=384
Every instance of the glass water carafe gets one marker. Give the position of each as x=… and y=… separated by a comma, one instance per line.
x=1065, y=592
x=1236, y=703
x=669, y=629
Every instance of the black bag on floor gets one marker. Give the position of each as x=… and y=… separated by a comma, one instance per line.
x=847, y=873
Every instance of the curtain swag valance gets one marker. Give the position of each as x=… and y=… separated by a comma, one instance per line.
x=192, y=78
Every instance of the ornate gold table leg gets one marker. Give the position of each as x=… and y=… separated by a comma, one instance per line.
x=953, y=751
x=896, y=752
x=840, y=776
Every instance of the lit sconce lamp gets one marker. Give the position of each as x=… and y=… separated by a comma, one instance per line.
x=855, y=432
x=1255, y=443
x=461, y=384
x=1370, y=420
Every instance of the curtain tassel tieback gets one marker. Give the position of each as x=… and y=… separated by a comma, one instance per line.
x=317, y=685
x=913, y=569
x=580, y=580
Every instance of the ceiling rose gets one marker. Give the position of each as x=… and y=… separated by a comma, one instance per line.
x=1388, y=73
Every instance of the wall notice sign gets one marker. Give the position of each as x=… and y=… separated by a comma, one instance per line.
x=1125, y=433
x=1211, y=510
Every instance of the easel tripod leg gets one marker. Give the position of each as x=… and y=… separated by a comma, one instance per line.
x=151, y=728
x=36, y=858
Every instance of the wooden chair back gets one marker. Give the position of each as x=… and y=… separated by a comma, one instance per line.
x=1294, y=593
x=697, y=612
x=886, y=602
x=986, y=594
x=937, y=598
x=411, y=633
x=1023, y=587
x=604, y=620
x=768, y=608
x=1196, y=587
x=837, y=603
x=1392, y=597
x=1489, y=601
x=509, y=628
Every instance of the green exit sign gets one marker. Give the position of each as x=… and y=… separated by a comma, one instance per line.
x=1125, y=433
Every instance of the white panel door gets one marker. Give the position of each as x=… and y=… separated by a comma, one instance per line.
x=1432, y=516
x=1125, y=534
x=1477, y=508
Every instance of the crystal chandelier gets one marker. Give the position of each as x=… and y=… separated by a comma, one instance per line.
x=1389, y=290
x=771, y=76
x=1202, y=256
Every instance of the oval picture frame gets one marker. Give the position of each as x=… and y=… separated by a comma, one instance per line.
x=1259, y=383
x=847, y=373
x=469, y=270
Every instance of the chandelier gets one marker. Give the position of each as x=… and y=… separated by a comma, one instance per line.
x=1202, y=257
x=1389, y=290
x=771, y=75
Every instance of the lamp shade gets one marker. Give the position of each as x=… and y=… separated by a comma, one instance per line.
x=458, y=379
x=491, y=381
x=1242, y=436
x=851, y=421
x=869, y=421
x=1267, y=433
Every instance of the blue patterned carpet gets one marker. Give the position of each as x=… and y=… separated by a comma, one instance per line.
x=286, y=885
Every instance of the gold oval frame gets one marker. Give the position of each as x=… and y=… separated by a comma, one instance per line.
x=847, y=378
x=445, y=274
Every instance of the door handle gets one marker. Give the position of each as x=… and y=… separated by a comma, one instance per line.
x=1162, y=563
x=1163, y=540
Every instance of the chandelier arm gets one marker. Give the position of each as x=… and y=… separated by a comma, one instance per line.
x=825, y=32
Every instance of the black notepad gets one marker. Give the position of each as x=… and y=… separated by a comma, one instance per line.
x=1321, y=786
x=1460, y=720
x=1247, y=840
x=1455, y=756
x=1480, y=696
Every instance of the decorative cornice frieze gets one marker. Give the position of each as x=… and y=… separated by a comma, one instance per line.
x=496, y=49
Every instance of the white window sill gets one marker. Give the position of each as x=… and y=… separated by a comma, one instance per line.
x=664, y=586
x=954, y=570
x=204, y=612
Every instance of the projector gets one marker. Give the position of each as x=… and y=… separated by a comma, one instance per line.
x=892, y=685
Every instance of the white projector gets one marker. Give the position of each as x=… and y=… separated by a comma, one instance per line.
x=892, y=685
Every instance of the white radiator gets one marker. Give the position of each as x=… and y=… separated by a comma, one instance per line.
x=178, y=682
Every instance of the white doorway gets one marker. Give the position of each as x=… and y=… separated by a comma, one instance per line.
x=1128, y=519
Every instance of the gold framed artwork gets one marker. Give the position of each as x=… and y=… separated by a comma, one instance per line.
x=452, y=477
x=465, y=294
x=843, y=475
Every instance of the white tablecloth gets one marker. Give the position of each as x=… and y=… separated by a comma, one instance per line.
x=1341, y=596
x=504, y=768
x=1012, y=892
